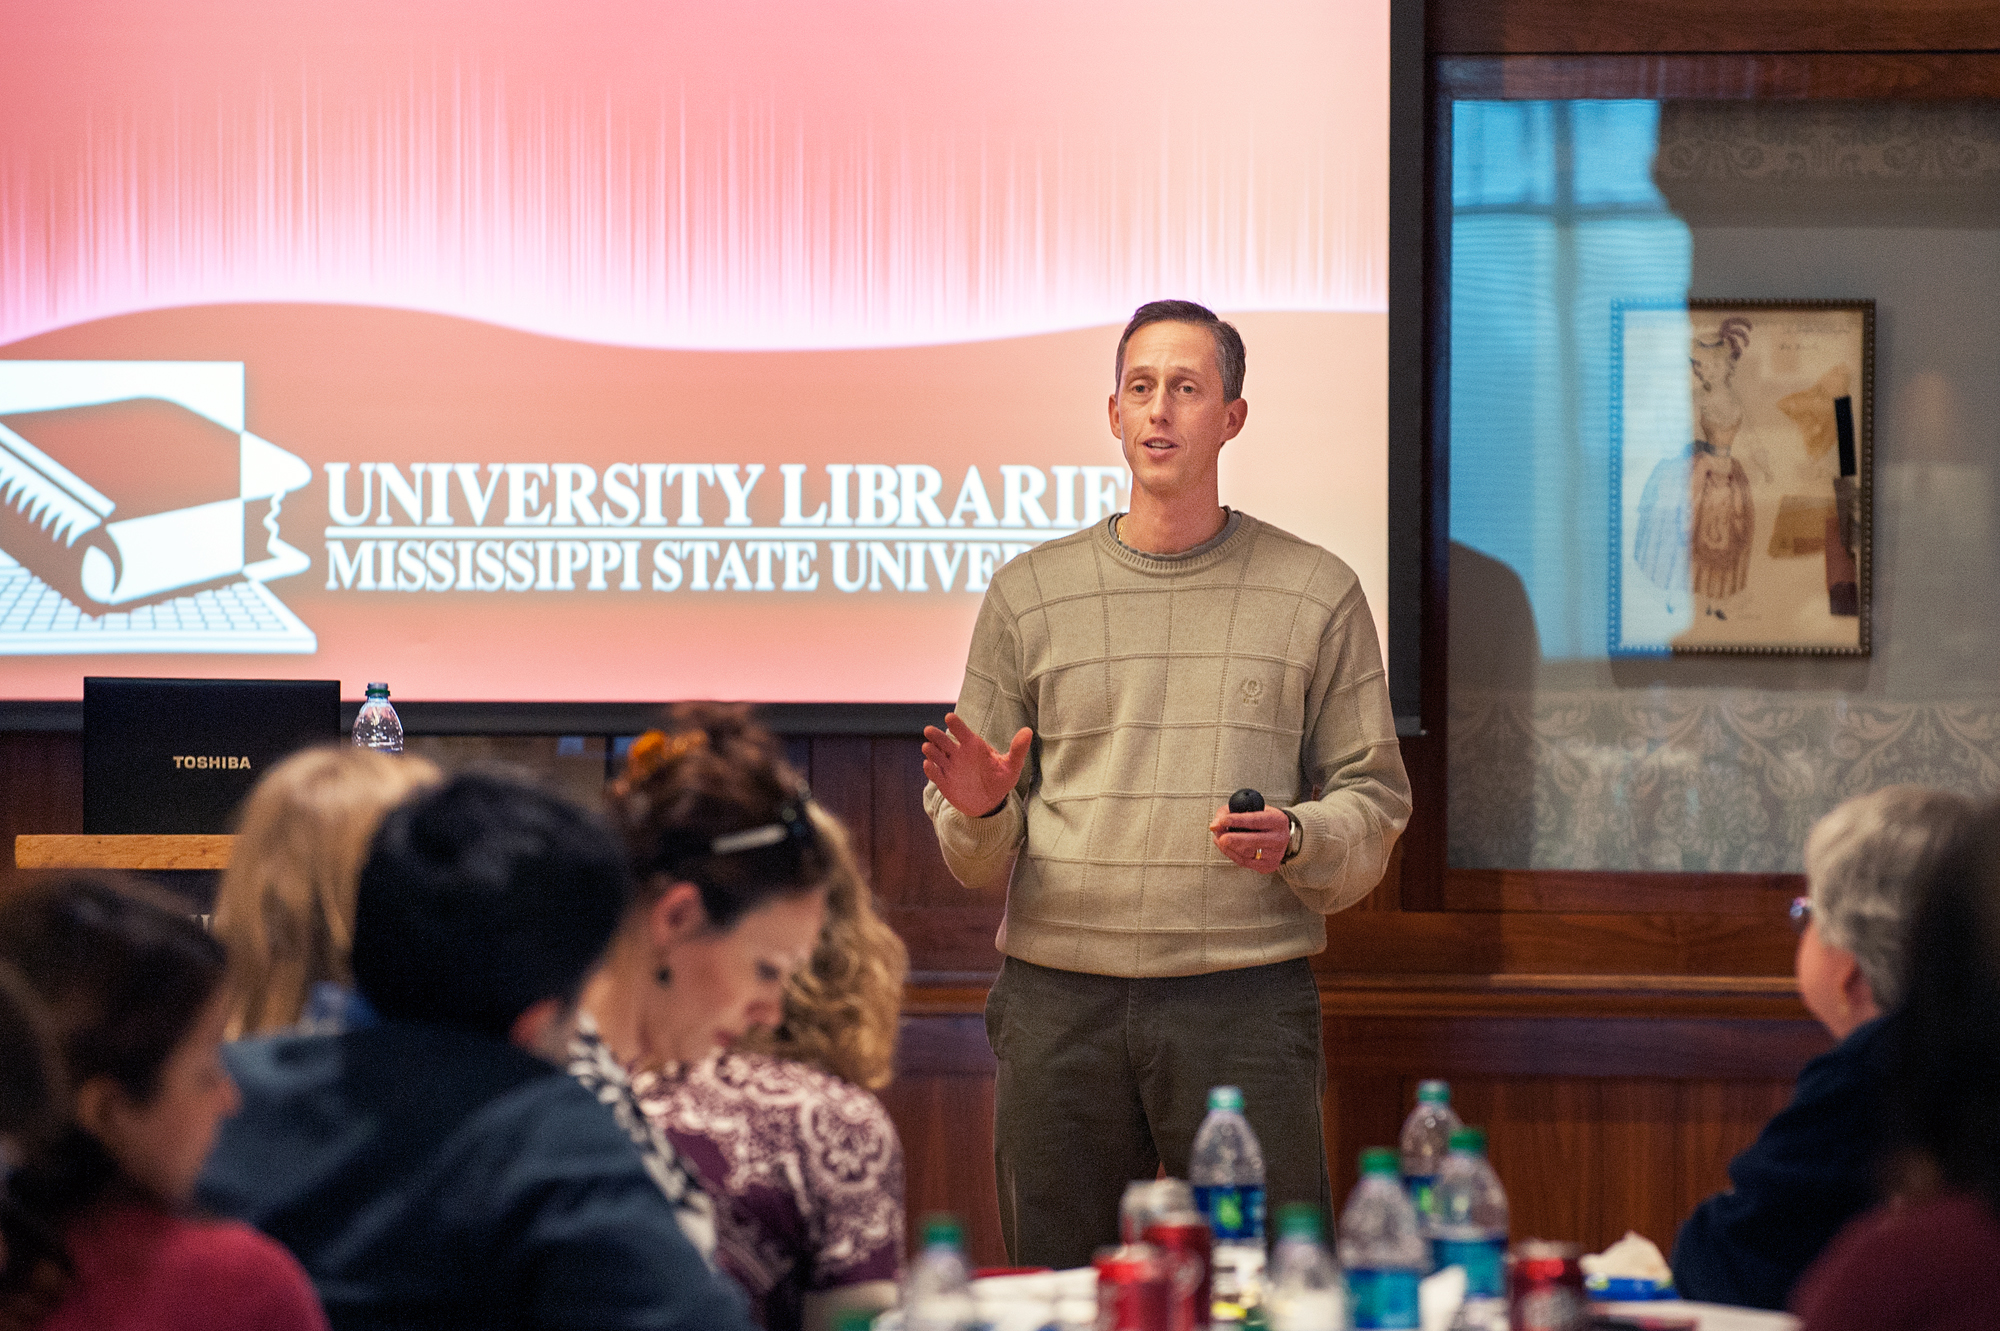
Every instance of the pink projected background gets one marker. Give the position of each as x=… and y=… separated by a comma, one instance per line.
x=773, y=178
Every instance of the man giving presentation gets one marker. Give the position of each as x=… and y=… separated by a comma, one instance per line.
x=1121, y=683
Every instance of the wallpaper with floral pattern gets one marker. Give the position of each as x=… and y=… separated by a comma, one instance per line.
x=1695, y=780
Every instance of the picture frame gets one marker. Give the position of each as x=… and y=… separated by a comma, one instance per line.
x=1742, y=477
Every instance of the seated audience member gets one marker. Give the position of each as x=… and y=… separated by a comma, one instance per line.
x=731, y=891
x=31, y=1106
x=31, y=1090
x=1815, y=1166
x=135, y=996
x=285, y=909
x=435, y=1167
x=806, y=1165
x=1928, y=1261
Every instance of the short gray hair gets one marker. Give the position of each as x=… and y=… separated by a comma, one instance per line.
x=1865, y=863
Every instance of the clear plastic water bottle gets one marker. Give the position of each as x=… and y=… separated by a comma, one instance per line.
x=1227, y=1172
x=377, y=726
x=1381, y=1246
x=939, y=1296
x=1426, y=1139
x=1468, y=1227
x=1307, y=1292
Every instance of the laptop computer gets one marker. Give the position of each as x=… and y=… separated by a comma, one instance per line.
x=179, y=755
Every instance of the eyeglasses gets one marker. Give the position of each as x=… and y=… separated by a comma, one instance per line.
x=1802, y=913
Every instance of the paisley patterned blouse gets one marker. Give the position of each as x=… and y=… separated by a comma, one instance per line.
x=806, y=1170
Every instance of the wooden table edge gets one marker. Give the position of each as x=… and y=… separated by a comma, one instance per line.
x=146, y=852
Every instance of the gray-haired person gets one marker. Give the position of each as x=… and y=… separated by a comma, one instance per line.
x=1812, y=1169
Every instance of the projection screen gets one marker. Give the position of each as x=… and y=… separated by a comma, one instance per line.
x=619, y=351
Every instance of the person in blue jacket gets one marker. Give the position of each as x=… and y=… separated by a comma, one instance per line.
x=433, y=1165
x=1813, y=1167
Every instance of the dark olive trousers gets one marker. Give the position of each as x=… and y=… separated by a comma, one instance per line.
x=1103, y=1080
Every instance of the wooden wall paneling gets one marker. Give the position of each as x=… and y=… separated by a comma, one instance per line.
x=1717, y=998
x=908, y=863
x=1577, y=892
x=942, y=1105
x=950, y=942
x=1586, y=1159
x=1574, y=1046
x=842, y=779
x=1638, y=1143
x=1551, y=1148
x=1460, y=943
x=1711, y=25
x=1544, y=1137
x=41, y=783
x=1584, y=1156
x=1361, y=1109
x=946, y=1123
x=949, y=929
x=1771, y=77
x=1715, y=1120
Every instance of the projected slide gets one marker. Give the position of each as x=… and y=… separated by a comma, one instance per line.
x=643, y=351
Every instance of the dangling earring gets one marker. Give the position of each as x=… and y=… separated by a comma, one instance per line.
x=663, y=977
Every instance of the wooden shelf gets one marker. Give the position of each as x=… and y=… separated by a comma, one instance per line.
x=144, y=853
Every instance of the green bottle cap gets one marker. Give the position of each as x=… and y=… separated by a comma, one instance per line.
x=1470, y=1140
x=853, y=1319
x=1300, y=1220
x=943, y=1228
x=1381, y=1160
x=378, y=690
x=1225, y=1097
x=1433, y=1092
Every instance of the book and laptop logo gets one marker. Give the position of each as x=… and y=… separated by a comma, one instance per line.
x=138, y=515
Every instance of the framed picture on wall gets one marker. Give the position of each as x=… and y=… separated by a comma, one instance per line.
x=1741, y=476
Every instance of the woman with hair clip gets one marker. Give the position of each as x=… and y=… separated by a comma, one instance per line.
x=135, y=996
x=781, y=1125
x=285, y=909
x=730, y=876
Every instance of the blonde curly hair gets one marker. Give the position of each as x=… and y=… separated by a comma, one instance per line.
x=843, y=1008
x=285, y=909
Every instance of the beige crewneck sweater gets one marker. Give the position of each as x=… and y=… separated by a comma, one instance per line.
x=1156, y=685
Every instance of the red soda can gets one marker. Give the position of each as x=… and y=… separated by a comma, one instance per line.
x=1133, y=1290
x=1545, y=1287
x=1184, y=1242
x=1135, y=1209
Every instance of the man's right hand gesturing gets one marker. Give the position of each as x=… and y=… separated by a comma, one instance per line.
x=970, y=772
